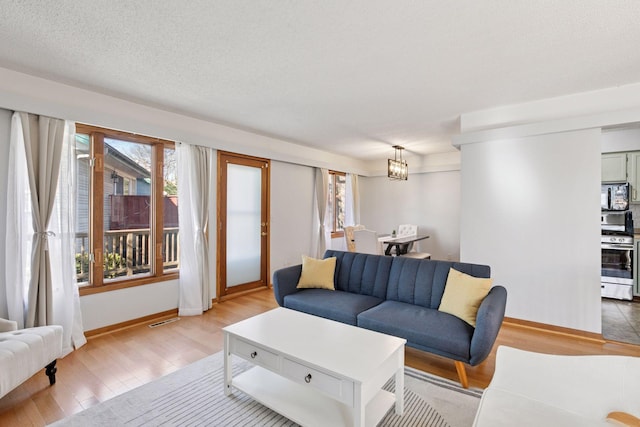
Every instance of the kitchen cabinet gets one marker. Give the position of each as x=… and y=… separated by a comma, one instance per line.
x=623, y=167
x=634, y=176
x=614, y=167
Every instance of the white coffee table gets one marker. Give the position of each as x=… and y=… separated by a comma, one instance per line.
x=315, y=371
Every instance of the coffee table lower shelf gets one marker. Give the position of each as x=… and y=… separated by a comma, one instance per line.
x=303, y=405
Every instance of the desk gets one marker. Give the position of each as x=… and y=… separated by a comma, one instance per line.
x=401, y=243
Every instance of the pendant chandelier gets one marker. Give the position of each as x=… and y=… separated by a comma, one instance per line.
x=397, y=168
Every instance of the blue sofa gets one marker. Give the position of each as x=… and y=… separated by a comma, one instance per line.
x=400, y=296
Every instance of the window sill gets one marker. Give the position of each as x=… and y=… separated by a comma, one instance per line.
x=130, y=283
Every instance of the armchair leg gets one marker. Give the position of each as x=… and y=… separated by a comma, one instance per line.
x=51, y=370
x=462, y=373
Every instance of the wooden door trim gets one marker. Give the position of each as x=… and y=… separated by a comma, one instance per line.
x=241, y=159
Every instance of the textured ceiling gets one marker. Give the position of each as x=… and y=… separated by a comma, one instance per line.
x=352, y=77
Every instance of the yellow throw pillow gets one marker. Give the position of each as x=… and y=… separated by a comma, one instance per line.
x=463, y=295
x=317, y=273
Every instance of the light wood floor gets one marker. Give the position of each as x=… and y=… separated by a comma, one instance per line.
x=116, y=362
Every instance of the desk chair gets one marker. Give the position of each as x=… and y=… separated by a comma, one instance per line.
x=367, y=242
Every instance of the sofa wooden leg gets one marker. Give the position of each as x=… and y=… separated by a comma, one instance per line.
x=462, y=373
x=51, y=370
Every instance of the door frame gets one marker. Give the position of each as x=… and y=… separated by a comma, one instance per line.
x=224, y=157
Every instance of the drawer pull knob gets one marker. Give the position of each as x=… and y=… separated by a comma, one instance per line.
x=307, y=379
x=254, y=354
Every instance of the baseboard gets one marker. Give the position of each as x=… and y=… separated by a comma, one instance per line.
x=130, y=323
x=156, y=317
x=241, y=293
x=559, y=330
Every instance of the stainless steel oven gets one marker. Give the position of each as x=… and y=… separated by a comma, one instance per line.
x=617, y=255
x=617, y=267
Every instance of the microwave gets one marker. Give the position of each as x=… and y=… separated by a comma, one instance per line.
x=615, y=197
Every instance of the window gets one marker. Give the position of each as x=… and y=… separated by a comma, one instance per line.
x=126, y=209
x=337, y=205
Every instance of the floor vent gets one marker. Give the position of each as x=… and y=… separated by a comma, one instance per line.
x=163, y=322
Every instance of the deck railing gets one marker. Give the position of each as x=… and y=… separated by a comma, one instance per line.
x=127, y=252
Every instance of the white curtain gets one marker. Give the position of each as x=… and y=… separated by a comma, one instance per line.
x=66, y=299
x=194, y=177
x=40, y=272
x=352, y=202
x=18, y=227
x=322, y=194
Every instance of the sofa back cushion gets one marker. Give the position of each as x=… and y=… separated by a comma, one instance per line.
x=422, y=281
x=361, y=273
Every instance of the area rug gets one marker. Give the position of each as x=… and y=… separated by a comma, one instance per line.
x=193, y=396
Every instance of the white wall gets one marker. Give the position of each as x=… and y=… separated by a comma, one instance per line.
x=291, y=213
x=430, y=200
x=623, y=139
x=530, y=210
x=113, y=307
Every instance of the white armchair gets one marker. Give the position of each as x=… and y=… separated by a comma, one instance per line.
x=534, y=389
x=24, y=352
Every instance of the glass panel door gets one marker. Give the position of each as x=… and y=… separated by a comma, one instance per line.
x=243, y=223
x=244, y=214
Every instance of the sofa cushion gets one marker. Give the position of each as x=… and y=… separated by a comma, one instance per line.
x=463, y=295
x=317, y=273
x=335, y=305
x=363, y=274
x=422, y=282
x=423, y=328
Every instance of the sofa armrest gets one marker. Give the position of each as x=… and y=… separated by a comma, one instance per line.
x=285, y=281
x=8, y=325
x=488, y=323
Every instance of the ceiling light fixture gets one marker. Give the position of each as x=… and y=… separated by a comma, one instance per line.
x=397, y=168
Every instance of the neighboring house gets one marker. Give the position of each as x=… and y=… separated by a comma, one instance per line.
x=128, y=178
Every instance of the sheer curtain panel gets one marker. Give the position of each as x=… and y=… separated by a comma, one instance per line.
x=66, y=298
x=322, y=194
x=194, y=177
x=41, y=286
x=352, y=203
